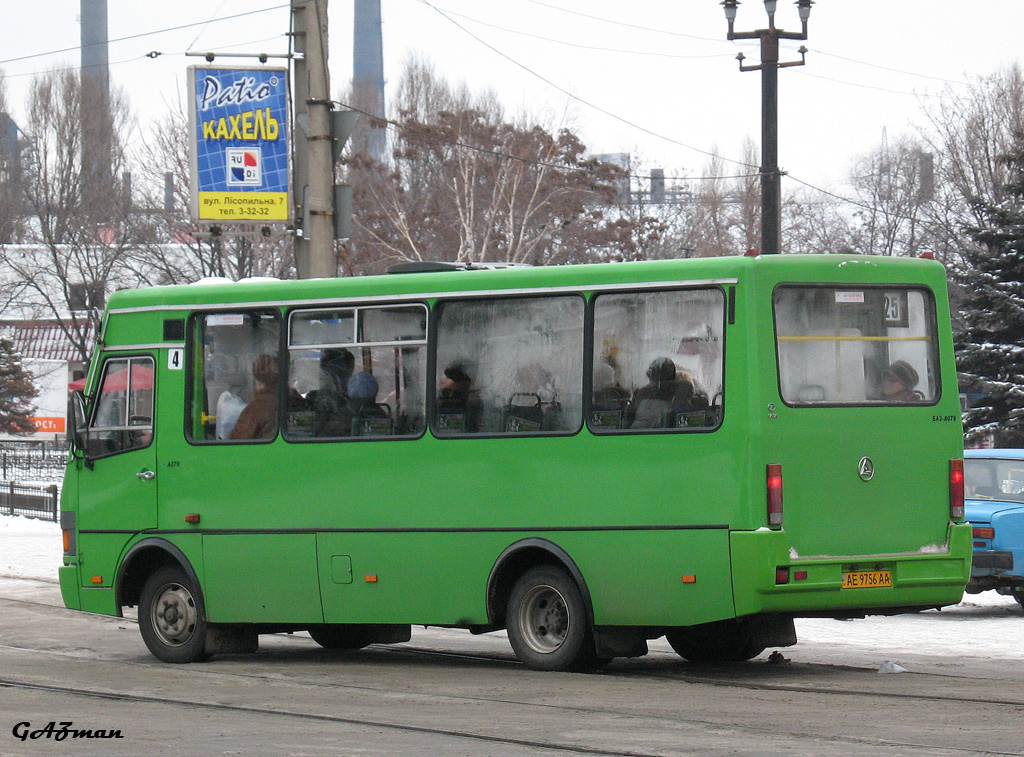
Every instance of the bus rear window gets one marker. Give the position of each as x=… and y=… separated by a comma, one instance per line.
x=856, y=345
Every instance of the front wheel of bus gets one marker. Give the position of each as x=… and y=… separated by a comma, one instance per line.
x=171, y=618
x=547, y=622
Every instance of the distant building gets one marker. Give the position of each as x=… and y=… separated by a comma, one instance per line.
x=54, y=362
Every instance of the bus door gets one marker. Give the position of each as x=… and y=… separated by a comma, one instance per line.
x=118, y=483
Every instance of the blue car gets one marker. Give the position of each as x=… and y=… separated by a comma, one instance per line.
x=994, y=493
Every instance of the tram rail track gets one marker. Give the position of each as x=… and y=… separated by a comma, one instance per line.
x=713, y=677
x=476, y=736
x=282, y=673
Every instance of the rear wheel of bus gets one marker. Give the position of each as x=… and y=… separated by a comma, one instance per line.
x=731, y=640
x=171, y=617
x=547, y=621
x=339, y=636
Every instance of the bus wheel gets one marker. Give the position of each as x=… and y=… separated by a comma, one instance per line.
x=170, y=618
x=547, y=622
x=724, y=641
x=340, y=636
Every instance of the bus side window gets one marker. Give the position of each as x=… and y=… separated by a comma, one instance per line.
x=511, y=365
x=357, y=372
x=122, y=419
x=658, y=360
x=236, y=375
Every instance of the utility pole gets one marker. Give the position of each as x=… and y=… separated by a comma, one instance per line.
x=771, y=177
x=314, y=166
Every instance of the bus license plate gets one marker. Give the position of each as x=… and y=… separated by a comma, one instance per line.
x=867, y=579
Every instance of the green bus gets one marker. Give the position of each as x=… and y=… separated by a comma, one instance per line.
x=589, y=457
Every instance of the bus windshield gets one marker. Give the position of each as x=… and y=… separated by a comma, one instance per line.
x=856, y=345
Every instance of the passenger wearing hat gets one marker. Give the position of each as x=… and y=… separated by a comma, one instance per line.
x=362, y=398
x=258, y=419
x=457, y=397
x=666, y=391
x=331, y=413
x=897, y=383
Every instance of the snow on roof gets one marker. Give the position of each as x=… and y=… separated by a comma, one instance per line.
x=44, y=340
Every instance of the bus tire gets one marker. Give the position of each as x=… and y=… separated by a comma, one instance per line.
x=171, y=617
x=723, y=641
x=547, y=622
x=340, y=636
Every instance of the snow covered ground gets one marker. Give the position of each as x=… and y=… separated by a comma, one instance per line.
x=983, y=625
x=29, y=548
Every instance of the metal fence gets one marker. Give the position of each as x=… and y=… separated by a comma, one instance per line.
x=32, y=464
x=30, y=500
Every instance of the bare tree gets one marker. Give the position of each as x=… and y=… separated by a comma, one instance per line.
x=467, y=184
x=727, y=216
x=712, y=233
x=816, y=222
x=176, y=250
x=973, y=129
x=81, y=231
x=970, y=131
x=893, y=188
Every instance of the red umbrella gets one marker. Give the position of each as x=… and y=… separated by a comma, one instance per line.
x=142, y=378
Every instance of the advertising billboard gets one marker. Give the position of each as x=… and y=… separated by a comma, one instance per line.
x=51, y=379
x=238, y=119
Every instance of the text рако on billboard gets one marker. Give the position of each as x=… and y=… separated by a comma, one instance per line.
x=239, y=120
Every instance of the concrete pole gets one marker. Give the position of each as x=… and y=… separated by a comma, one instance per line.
x=771, y=180
x=314, y=168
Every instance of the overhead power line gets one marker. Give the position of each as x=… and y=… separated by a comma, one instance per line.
x=393, y=124
x=579, y=99
x=147, y=34
x=595, y=48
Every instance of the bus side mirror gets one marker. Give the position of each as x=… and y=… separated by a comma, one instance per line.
x=79, y=431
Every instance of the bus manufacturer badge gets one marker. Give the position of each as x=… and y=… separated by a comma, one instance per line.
x=865, y=469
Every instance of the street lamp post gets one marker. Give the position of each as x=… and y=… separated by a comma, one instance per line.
x=771, y=184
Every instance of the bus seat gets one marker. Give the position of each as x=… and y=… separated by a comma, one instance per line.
x=523, y=413
x=373, y=420
x=608, y=409
x=450, y=421
x=552, y=416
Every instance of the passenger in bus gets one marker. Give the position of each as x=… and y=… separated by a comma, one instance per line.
x=258, y=420
x=897, y=384
x=362, y=393
x=610, y=400
x=666, y=394
x=457, y=402
x=332, y=414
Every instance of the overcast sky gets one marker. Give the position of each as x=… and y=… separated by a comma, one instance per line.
x=655, y=78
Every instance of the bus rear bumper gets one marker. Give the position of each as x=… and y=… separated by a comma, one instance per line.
x=767, y=579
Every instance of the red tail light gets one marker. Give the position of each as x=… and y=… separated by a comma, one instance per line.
x=774, y=477
x=956, y=489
